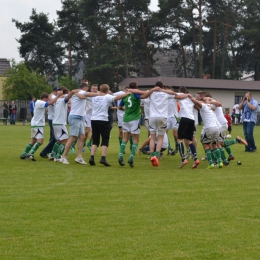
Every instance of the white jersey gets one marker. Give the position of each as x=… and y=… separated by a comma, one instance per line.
x=186, y=108
x=220, y=115
x=120, y=113
x=208, y=116
x=60, y=112
x=100, y=107
x=89, y=106
x=196, y=116
x=78, y=105
x=38, y=119
x=51, y=109
x=146, y=103
x=159, y=104
x=172, y=106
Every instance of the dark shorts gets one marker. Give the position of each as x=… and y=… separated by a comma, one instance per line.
x=186, y=128
x=100, y=128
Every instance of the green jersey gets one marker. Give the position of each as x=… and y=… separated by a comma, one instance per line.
x=132, y=107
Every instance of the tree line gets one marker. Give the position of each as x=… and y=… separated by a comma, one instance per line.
x=117, y=38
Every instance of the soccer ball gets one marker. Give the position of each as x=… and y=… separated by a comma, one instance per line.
x=228, y=136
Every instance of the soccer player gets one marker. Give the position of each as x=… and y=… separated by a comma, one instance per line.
x=100, y=124
x=49, y=146
x=37, y=125
x=210, y=131
x=131, y=120
x=59, y=123
x=87, y=122
x=186, y=125
x=120, y=114
x=145, y=148
x=172, y=121
x=76, y=121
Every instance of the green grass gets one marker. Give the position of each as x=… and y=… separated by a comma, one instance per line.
x=54, y=211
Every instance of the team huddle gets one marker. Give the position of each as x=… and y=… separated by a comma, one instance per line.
x=164, y=110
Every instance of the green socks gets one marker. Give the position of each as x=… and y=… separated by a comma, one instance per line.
x=134, y=147
x=217, y=154
x=34, y=148
x=55, y=149
x=209, y=156
x=228, y=142
x=60, y=151
x=122, y=149
x=27, y=149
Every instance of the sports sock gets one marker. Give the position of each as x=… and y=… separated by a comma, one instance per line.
x=89, y=142
x=60, y=151
x=228, y=150
x=209, y=156
x=193, y=151
x=120, y=140
x=151, y=154
x=34, y=148
x=134, y=147
x=157, y=154
x=228, y=142
x=181, y=150
x=222, y=152
x=55, y=149
x=217, y=154
x=27, y=149
x=214, y=157
x=122, y=149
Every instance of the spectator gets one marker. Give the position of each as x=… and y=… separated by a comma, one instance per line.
x=5, y=106
x=249, y=117
x=12, y=112
x=236, y=114
x=229, y=120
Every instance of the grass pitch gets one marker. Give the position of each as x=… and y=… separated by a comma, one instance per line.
x=55, y=211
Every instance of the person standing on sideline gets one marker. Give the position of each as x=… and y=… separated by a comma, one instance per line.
x=37, y=125
x=12, y=112
x=6, y=109
x=236, y=113
x=249, y=116
x=32, y=105
x=48, y=148
x=229, y=120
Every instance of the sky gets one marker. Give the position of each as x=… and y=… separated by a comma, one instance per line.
x=21, y=10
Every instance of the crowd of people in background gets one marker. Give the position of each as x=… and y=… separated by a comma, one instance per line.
x=90, y=116
x=9, y=110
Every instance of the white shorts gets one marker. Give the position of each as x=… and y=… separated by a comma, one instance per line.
x=209, y=135
x=146, y=124
x=37, y=132
x=222, y=133
x=132, y=127
x=60, y=132
x=172, y=123
x=119, y=121
x=157, y=125
x=87, y=121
